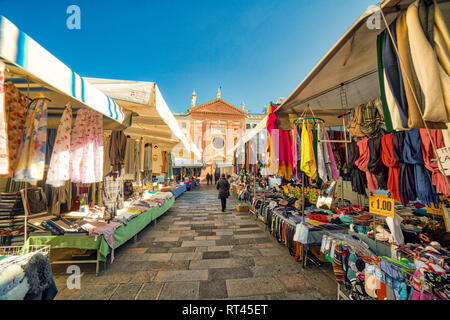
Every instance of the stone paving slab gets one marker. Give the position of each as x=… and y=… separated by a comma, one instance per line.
x=180, y=291
x=252, y=286
x=181, y=275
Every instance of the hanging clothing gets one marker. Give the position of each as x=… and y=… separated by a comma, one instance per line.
x=438, y=179
x=4, y=152
x=299, y=152
x=414, y=118
x=157, y=161
x=273, y=132
x=391, y=66
x=334, y=169
x=393, y=109
x=386, y=112
x=16, y=110
x=308, y=161
x=431, y=60
x=363, y=162
x=59, y=167
x=359, y=180
x=389, y=160
x=86, y=159
x=285, y=165
x=376, y=165
x=31, y=161
x=412, y=154
x=106, y=160
x=51, y=138
x=321, y=162
x=117, y=150
x=113, y=192
x=407, y=183
x=165, y=162
x=294, y=151
x=130, y=154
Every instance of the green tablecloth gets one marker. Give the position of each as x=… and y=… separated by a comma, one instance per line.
x=121, y=235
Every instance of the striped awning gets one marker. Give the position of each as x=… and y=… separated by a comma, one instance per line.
x=33, y=69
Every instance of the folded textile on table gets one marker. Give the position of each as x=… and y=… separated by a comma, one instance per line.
x=105, y=229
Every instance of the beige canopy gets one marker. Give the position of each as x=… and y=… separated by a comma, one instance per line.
x=347, y=75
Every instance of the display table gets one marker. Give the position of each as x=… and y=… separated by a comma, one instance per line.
x=121, y=235
x=178, y=191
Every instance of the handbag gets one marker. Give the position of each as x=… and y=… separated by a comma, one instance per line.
x=355, y=126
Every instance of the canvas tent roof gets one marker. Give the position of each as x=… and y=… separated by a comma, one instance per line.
x=33, y=69
x=350, y=66
x=152, y=118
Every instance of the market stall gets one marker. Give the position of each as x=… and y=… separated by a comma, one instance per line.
x=74, y=174
x=359, y=149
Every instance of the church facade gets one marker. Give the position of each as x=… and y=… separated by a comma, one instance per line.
x=214, y=127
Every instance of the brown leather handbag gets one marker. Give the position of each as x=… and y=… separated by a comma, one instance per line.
x=355, y=126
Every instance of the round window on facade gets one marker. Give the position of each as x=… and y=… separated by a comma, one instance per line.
x=218, y=143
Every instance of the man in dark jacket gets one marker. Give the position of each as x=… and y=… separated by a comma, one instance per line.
x=224, y=191
x=207, y=178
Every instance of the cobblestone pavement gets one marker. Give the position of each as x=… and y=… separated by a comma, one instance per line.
x=195, y=251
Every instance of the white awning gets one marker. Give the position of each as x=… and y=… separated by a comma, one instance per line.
x=33, y=69
x=350, y=67
x=180, y=163
x=152, y=117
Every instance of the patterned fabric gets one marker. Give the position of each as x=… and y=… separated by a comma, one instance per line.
x=4, y=157
x=31, y=162
x=58, y=171
x=113, y=189
x=16, y=109
x=87, y=147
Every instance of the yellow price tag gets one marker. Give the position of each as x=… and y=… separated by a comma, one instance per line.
x=433, y=209
x=382, y=205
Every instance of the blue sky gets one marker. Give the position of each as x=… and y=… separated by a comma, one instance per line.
x=256, y=50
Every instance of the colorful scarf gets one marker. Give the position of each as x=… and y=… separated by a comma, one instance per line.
x=389, y=160
x=31, y=162
x=363, y=162
x=59, y=168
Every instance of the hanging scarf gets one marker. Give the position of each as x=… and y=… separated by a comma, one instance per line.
x=407, y=183
x=308, y=162
x=412, y=154
x=438, y=179
x=273, y=132
x=31, y=162
x=326, y=156
x=334, y=170
x=363, y=162
x=431, y=61
x=389, y=160
x=386, y=114
x=285, y=169
x=376, y=165
x=117, y=149
x=4, y=151
x=322, y=171
x=359, y=180
x=86, y=159
x=294, y=151
x=59, y=167
x=299, y=152
x=393, y=73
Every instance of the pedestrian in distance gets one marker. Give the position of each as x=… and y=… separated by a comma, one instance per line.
x=224, y=191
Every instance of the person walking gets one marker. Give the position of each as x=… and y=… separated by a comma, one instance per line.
x=208, y=176
x=224, y=191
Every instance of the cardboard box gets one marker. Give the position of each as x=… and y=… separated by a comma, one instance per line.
x=242, y=207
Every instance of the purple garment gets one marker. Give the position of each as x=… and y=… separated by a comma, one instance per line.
x=334, y=169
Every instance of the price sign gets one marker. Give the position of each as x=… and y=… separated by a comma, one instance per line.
x=434, y=209
x=382, y=205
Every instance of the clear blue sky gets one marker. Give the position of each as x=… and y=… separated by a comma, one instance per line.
x=256, y=50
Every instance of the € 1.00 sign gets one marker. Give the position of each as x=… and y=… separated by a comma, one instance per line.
x=382, y=205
